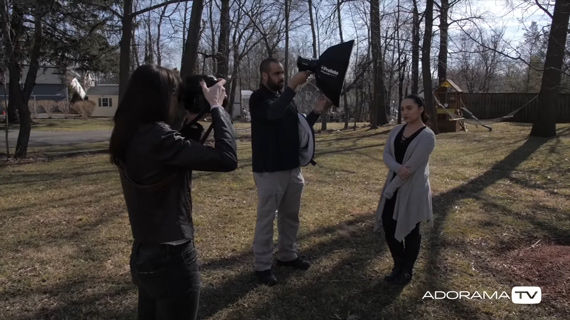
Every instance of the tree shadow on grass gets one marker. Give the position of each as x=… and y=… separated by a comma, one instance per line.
x=324, y=290
x=443, y=204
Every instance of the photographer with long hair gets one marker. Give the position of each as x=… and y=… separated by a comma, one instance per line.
x=406, y=196
x=155, y=163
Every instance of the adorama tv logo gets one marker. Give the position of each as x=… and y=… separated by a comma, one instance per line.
x=526, y=295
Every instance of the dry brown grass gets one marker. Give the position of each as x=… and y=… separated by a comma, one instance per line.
x=66, y=239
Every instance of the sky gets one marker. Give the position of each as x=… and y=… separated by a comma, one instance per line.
x=513, y=15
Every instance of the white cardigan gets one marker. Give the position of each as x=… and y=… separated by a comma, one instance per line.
x=413, y=202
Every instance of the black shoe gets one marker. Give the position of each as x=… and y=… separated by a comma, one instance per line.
x=394, y=274
x=298, y=263
x=402, y=279
x=266, y=277
x=398, y=265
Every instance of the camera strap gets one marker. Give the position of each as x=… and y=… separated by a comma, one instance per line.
x=196, y=119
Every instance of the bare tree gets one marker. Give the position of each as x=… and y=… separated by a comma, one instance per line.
x=415, y=47
x=378, y=114
x=545, y=123
x=430, y=108
x=222, y=56
x=193, y=40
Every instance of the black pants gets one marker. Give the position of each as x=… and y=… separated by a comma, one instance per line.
x=168, y=280
x=403, y=252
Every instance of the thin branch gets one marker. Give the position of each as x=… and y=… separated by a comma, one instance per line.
x=544, y=9
x=156, y=6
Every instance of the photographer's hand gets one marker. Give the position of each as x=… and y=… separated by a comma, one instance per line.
x=298, y=79
x=215, y=94
x=323, y=104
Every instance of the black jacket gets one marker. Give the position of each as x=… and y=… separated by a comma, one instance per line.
x=157, y=173
x=274, y=130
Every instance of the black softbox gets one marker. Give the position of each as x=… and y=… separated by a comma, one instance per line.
x=329, y=69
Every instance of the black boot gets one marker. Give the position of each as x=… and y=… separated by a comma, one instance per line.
x=398, y=264
x=403, y=278
x=411, y=251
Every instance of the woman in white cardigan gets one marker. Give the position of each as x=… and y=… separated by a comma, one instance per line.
x=406, y=196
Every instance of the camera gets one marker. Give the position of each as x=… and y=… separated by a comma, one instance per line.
x=304, y=64
x=192, y=95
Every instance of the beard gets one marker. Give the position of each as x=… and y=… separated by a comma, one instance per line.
x=275, y=86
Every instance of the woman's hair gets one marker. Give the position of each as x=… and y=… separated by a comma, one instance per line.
x=420, y=102
x=146, y=100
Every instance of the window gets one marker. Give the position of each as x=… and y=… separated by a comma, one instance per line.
x=105, y=102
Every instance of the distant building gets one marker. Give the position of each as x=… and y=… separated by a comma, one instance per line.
x=106, y=99
x=50, y=85
x=244, y=114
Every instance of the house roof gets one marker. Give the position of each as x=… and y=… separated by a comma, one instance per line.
x=448, y=83
x=104, y=90
x=46, y=75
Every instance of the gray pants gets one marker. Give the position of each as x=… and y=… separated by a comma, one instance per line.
x=277, y=191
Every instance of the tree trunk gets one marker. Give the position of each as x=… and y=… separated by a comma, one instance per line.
x=443, y=35
x=193, y=40
x=286, y=67
x=415, y=48
x=12, y=31
x=374, y=39
x=316, y=54
x=345, y=98
x=222, y=56
x=184, y=27
x=233, y=84
x=23, y=96
x=379, y=99
x=312, y=19
x=545, y=123
x=401, y=77
x=426, y=68
x=125, y=45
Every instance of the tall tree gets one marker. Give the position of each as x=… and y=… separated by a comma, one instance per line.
x=430, y=108
x=193, y=39
x=53, y=32
x=443, y=38
x=287, y=30
x=545, y=123
x=223, y=54
x=378, y=113
x=344, y=96
x=415, y=47
x=127, y=33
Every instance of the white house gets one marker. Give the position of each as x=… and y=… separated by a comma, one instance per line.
x=106, y=99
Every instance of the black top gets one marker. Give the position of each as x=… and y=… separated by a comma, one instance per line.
x=401, y=144
x=156, y=177
x=275, y=130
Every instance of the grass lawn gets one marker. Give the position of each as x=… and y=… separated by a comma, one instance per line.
x=70, y=124
x=502, y=219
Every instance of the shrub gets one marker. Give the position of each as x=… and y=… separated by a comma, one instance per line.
x=84, y=108
x=49, y=106
x=64, y=107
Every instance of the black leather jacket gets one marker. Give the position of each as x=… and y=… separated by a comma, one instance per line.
x=157, y=173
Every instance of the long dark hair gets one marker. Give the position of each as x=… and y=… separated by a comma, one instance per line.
x=146, y=100
x=420, y=102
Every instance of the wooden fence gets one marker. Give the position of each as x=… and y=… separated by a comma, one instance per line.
x=496, y=105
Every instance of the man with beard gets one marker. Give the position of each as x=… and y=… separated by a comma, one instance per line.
x=276, y=167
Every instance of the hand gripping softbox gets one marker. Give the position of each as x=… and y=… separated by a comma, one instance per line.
x=330, y=69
